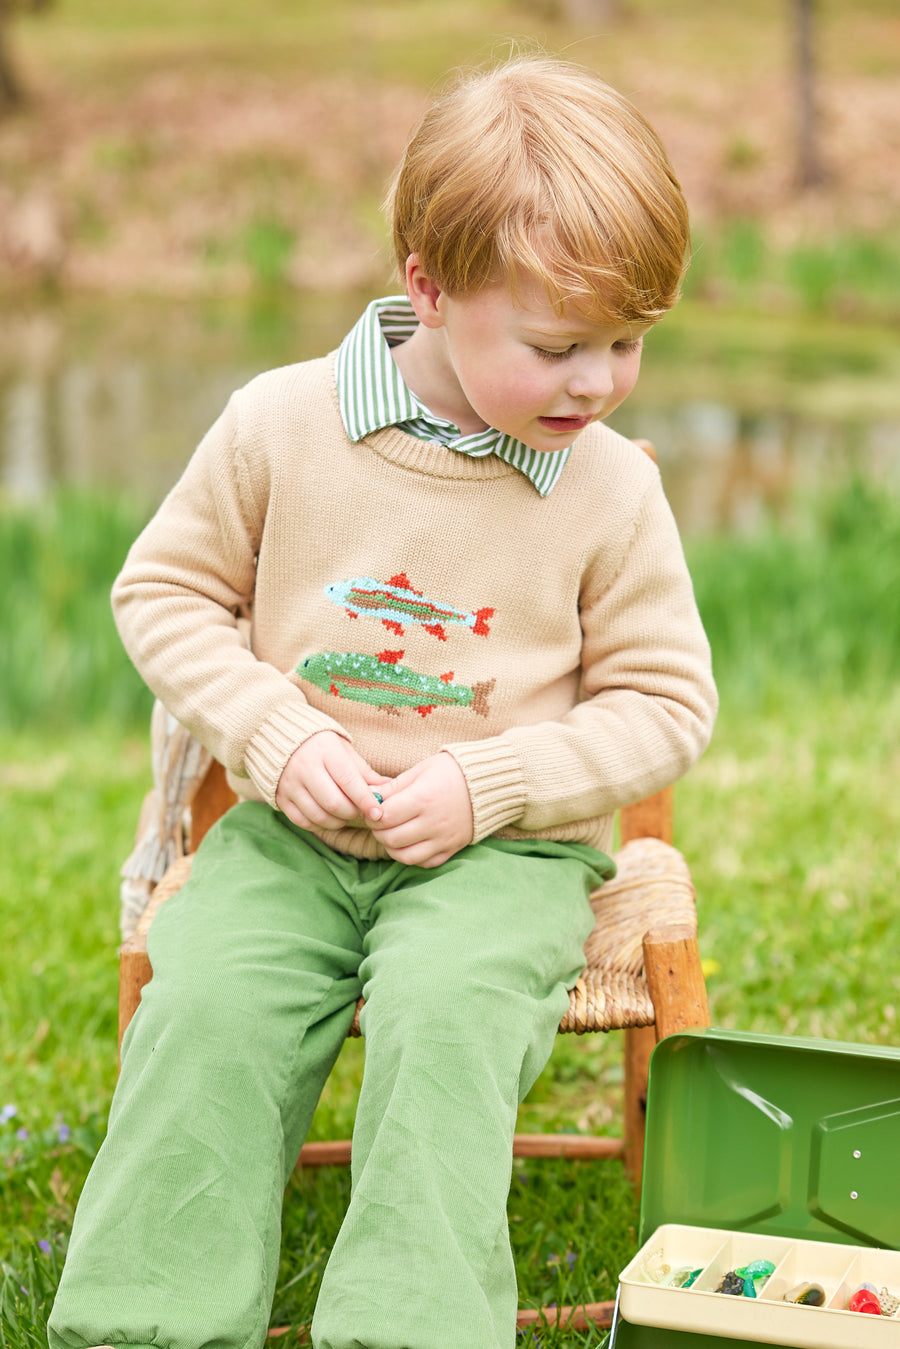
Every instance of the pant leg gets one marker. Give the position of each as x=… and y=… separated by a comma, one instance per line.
x=465, y=978
x=176, y=1237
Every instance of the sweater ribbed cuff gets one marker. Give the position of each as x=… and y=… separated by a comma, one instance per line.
x=496, y=783
x=273, y=744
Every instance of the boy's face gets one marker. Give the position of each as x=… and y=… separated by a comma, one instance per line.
x=516, y=364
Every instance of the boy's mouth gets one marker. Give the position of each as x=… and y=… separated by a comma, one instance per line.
x=569, y=425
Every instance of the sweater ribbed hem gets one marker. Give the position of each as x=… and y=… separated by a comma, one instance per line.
x=496, y=782
x=275, y=741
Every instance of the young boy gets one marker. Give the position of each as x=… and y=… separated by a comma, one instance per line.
x=473, y=638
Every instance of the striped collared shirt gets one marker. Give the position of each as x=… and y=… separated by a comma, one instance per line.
x=372, y=395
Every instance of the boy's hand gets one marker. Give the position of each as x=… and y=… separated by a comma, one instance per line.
x=325, y=784
x=427, y=813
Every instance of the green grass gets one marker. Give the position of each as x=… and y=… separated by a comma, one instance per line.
x=790, y=823
x=61, y=662
x=813, y=599
x=847, y=275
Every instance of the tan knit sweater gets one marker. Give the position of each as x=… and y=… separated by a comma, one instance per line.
x=418, y=599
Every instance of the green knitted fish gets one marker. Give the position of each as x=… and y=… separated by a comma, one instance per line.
x=384, y=683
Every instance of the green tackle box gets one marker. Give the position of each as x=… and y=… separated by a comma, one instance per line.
x=766, y=1148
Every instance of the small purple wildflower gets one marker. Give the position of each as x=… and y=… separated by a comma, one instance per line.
x=7, y=1113
x=559, y=1260
x=63, y=1133
x=44, y=1245
x=22, y=1135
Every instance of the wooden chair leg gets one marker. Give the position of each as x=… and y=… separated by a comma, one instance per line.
x=134, y=973
x=675, y=979
x=650, y=818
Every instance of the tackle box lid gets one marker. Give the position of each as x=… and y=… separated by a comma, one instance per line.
x=793, y=1137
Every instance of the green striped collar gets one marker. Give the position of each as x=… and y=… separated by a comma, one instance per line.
x=372, y=395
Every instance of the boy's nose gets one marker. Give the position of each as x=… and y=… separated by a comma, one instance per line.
x=592, y=379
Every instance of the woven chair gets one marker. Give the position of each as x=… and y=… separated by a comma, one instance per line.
x=642, y=974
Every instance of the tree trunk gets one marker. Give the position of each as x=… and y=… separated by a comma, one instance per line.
x=12, y=95
x=810, y=168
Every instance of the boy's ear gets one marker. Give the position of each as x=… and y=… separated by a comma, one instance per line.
x=424, y=294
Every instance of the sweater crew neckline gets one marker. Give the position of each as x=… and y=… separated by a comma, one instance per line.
x=425, y=456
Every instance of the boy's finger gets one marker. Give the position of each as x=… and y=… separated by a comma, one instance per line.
x=403, y=833
x=303, y=809
x=368, y=801
x=348, y=779
x=396, y=807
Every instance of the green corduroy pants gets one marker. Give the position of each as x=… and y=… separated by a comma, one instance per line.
x=258, y=963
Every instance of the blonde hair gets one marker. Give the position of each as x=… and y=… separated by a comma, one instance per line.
x=538, y=167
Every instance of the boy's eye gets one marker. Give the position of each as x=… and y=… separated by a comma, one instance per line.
x=625, y=347
x=547, y=354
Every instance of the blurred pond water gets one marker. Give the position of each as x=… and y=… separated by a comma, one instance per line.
x=745, y=411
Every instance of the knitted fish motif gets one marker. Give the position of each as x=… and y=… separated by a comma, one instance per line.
x=396, y=600
x=383, y=682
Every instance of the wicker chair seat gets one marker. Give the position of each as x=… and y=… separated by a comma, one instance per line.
x=652, y=888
